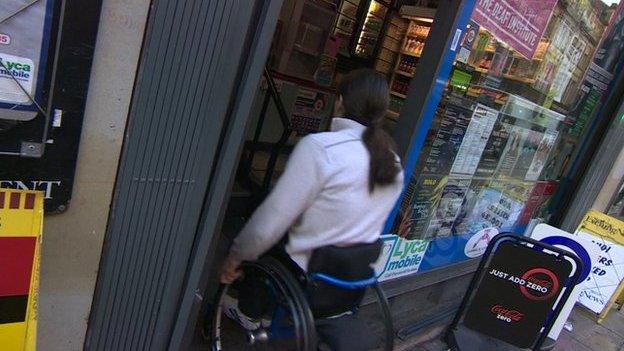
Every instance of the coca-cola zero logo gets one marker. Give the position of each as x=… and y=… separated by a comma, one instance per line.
x=540, y=284
x=506, y=314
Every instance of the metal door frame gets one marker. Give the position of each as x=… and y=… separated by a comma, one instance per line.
x=203, y=261
x=200, y=64
x=424, y=95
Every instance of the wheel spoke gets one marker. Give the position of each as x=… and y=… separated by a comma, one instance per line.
x=294, y=329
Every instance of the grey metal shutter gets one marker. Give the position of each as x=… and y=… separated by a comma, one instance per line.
x=192, y=56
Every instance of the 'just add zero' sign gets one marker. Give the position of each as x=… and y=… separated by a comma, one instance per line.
x=516, y=294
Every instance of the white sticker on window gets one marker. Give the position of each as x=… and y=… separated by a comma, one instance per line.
x=15, y=72
x=458, y=33
x=58, y=118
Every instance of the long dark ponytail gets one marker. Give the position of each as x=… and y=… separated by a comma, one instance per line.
x=365, y=98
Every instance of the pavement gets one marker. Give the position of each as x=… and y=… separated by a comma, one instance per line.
x=586, y=335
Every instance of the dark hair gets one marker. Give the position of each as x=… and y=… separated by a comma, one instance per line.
x=365, y=97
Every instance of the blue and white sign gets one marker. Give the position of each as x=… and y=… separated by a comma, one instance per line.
x=584, y=249
x=25, y=32
x=399, y=257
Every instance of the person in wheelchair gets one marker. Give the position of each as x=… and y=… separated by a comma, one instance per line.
x=333, y=199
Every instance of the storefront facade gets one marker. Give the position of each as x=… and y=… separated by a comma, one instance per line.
x=493, y=105
x=507, y=129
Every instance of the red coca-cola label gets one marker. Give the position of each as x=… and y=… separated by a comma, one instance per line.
x=540, y=284
x=506, y=314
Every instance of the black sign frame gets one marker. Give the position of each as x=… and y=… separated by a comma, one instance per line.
x=459, y=332
x=53, y=173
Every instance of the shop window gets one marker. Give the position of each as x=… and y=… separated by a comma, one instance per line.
x=527, y=79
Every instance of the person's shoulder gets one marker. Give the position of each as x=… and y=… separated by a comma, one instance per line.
x=323, y=139
x=311, y=143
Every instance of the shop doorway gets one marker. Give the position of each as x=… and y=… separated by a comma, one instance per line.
x=487, y=128
x=315, y=43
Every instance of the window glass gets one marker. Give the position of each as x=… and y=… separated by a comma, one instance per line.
x=527, y=79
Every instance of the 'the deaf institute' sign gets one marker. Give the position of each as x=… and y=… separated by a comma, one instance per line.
x=517, y=294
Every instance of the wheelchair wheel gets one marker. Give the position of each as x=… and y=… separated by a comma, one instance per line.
x=289, y=325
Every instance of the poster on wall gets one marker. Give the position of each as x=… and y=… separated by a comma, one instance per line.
x=472, y=31
x=528, y=149
x=499, y=205
x=474, y=142
x=519, y=23
x=449, y=206
x=419, y=209
x=25, y=27
x=520, y=151
x=494, y=148
x=310, y=110
x=541, y=155
x=537, y=197
x=453, y=125
x=463, y=222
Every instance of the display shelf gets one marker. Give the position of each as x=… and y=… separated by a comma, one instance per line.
x=421, y=37
x=403, y=73
x=372, y=14
x=346, y=16
x=519, y=79
x=397, y=94
x=374, y=31
x=305, y=50
x=409, y=53
x=392, y=115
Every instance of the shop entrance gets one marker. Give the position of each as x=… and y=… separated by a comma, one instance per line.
x=487, y=124
x=315, y=43
x=487, y=138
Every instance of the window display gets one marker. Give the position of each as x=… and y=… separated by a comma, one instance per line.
x=370, y=32
x=412, y=46
x=522, y=81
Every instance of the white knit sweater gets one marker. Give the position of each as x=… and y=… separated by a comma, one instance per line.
x=322, y=198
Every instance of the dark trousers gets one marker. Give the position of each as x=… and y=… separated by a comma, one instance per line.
x=254, y=297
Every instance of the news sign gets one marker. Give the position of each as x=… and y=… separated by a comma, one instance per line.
x=516, y=294
x=607, y=273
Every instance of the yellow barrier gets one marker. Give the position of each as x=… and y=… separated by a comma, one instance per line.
x=21, y=225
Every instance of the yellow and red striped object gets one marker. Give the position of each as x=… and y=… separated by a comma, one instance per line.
x=21, y=225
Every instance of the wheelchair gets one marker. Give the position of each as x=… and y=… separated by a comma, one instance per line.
x=317, y=310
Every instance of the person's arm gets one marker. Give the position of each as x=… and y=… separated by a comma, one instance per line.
x=294, y=192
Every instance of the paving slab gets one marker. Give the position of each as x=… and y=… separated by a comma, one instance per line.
x=586, y=335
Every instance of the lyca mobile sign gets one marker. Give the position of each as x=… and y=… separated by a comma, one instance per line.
x=399, y=257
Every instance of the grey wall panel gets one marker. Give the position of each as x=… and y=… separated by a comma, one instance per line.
x=597, y=172
x=204, y=259
x=190, y=61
